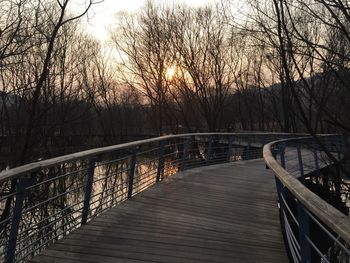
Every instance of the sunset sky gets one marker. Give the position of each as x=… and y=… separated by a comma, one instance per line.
x=102, y=15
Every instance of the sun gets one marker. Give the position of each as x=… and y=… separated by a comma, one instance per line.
x=170, y=72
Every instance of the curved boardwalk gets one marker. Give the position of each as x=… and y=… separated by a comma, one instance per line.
x=221, y=213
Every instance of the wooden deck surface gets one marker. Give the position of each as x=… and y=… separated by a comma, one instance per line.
x=221, y=213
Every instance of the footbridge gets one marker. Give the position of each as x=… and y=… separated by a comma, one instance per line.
x=201, y=197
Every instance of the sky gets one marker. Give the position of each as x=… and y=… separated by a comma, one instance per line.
x=102, y=15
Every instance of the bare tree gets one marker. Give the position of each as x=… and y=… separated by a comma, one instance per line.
x=206, y=59
x=57, y=18
x=28, y=40
x=142, y=41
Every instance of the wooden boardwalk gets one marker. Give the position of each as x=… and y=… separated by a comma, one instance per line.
x=221, y=213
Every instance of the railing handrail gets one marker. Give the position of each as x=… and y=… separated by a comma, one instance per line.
x=329, y=215
x=95, y=180
x=35, y=166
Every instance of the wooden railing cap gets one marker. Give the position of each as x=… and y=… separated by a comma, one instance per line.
x=325, y=212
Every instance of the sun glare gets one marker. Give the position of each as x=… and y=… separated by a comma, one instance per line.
x=170, y=72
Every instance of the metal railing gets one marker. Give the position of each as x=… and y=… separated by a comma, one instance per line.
x=44, y=201
x=314, y=230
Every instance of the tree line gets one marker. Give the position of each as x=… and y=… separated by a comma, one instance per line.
x=270, y=66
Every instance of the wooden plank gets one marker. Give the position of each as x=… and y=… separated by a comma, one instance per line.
x=222, y=213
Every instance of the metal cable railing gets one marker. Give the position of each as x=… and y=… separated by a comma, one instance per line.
x=307, y=179
x=42, y=202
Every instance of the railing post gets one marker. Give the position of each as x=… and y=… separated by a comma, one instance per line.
x=21, y=186
x=248, y=150
x=325, y=184
x=88, y=189
x=160, y=168
x=282, y=156
x=229, y=149
x=279, y=188
x=339, y=145
x=304, y=231
x=132, y=171
x=210, y=146
x=274, y=152
x=184, y=153
x=263, y=141
x=316, y=162
x=301, y=165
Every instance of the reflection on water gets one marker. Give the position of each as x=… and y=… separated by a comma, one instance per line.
x=53, y=207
